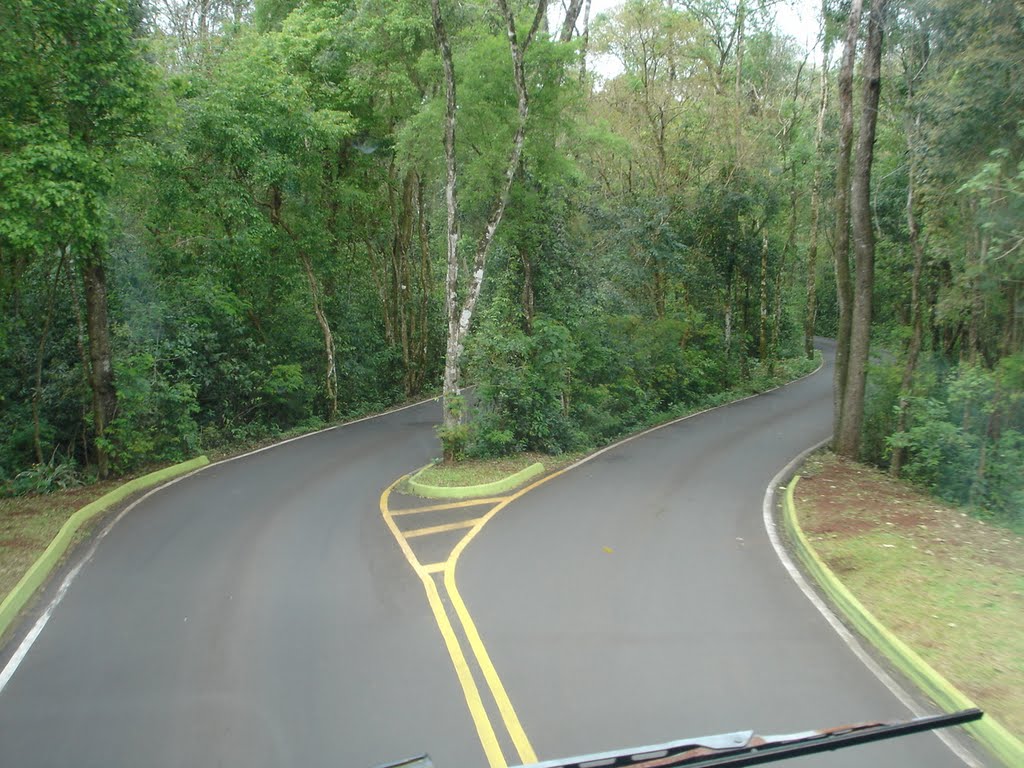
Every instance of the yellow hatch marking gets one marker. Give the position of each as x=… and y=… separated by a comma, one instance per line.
x=450, y=505
x=440, y=528
x=484, y=729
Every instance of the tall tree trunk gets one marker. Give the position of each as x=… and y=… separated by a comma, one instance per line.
x=528, y=301
x=728, y=318
x=762, y=322
x=37, y=392
x=101, y=368
x=811, y=313
x=80, y=345
x=787, y=249
x=984, y=241
x=461, y=314
x=450, y=387
x=276, y=206
x=852, y=419
x=911, y=129
x=917, y=325
x=331, y=373
x=572, y=13
x=1010, y=335
x=844, y=285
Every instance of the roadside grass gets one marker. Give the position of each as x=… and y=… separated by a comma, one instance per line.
x=480, y=471
x=947, y=584
x=29, y=523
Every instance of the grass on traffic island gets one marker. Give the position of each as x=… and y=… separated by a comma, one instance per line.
x=947, y=584
x=480, y=471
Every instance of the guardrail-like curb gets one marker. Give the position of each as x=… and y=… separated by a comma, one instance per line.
x=988, y=731
x=471, y=491
x=44, y=565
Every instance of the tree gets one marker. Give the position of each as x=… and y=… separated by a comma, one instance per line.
x=74, y=89
x=460, y=313
x=851, y=416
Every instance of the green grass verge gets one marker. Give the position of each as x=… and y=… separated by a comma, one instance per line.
x=924, y=604
x=477, y=471
x=33, y=529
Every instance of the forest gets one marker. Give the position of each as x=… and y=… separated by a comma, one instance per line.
x=224, y=221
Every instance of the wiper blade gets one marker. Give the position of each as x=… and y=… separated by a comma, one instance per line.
x=746, y=748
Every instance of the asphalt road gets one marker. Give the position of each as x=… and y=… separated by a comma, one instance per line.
x=637, y=599
x=260, y=612
x=256, y=614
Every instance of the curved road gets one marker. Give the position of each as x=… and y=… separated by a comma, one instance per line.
x=260, y=613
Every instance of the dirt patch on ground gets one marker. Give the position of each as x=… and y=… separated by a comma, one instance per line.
x=29, y=523
x=948, y=584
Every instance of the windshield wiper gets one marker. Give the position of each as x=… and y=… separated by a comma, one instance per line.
x=743, y=747
x=746, y=748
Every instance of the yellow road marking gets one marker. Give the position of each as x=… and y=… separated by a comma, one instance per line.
x=484, y=729
x=434, y=567
x=483, y=659
x=452, y=505
x=440, y=528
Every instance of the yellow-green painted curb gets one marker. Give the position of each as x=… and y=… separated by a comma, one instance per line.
x=988, y=731
x=46, y=562
x=471, y=491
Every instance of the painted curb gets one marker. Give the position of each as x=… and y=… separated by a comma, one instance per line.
x=469, y=491
x=999, y=741
x=44, y=565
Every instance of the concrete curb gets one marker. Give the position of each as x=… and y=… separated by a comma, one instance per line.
x=470, y=491
x=44, y=565
x=999, y=741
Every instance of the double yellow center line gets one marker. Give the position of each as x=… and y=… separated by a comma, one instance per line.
x=484, y=727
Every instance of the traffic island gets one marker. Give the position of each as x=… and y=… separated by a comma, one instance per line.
x=434, y=482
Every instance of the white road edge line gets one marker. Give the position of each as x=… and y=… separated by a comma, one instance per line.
x=851, y=641
x=29, y=640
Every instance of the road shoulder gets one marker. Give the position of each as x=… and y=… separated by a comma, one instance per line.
x=945, y=588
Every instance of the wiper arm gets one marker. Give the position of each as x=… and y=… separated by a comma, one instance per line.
x=745, y=748
x=741, y=748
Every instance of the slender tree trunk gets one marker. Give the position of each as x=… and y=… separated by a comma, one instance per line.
x=585, y=41
x=1010, y=341
x=848, y=438
x=527, y=292
x=728, y=318
x=451, y=416
x=572, y=13
x=914, y=346
x=789, y=248
x=423, y=337
x=37, y=392
x=80, y=345
x=811, y=313
x=916, y=320
x=977, y=300
x=331, y=373
x=844, y=285
x=461, y=314
x=762, y=325
x=101, y=368
x=276, y=206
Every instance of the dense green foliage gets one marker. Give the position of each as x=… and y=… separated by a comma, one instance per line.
x=257, y=191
